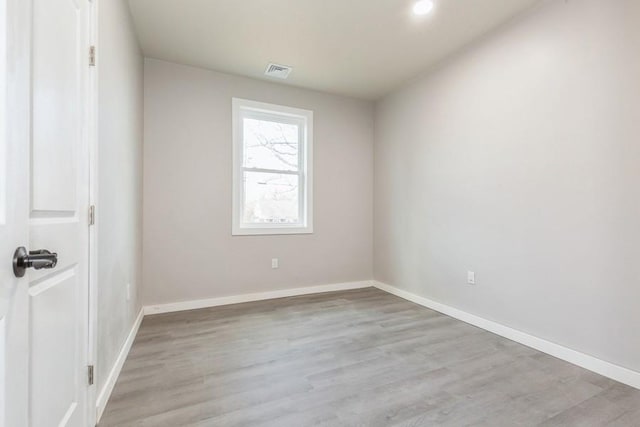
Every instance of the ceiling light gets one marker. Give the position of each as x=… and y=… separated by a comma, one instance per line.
x=423, y=7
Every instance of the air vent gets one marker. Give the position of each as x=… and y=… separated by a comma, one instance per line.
x=278, y=71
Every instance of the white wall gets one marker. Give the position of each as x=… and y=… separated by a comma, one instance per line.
x=189, y=252
x=518, y=159
x=119, y=207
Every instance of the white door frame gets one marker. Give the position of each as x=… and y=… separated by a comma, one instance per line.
x=17, y=43
x=3, y=197
x=92, y=104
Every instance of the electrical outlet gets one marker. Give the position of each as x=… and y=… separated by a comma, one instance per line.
x=128, y=291
x=471, y=277
x=274, y=262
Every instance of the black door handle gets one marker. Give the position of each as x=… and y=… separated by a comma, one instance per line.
x=39, y=259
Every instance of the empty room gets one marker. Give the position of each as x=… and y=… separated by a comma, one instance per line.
x=295, y=213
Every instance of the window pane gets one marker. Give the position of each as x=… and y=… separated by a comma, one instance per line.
x=270, y=145
x=270, y=198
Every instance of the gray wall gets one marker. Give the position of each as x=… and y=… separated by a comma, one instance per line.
x=518, y=159
x=120, y=68
x=189, y=252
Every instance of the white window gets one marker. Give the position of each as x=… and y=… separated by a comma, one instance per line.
x=272, y=169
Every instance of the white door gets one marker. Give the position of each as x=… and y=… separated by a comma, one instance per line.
x=45, y=172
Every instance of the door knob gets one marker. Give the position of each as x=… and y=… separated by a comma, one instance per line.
x=39, y=259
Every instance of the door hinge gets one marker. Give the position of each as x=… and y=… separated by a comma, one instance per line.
x=90, y=374
x=92, y=215
x=92, y=56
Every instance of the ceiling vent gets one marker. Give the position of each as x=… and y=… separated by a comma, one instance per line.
x=278, y=71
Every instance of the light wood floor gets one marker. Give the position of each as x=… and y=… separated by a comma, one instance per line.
x=355, y=358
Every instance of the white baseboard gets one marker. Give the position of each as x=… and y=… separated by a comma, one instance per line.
x=236, y=299
x=607, y=369
x=105, y=393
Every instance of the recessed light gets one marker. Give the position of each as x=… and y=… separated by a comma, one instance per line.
x=422, y=7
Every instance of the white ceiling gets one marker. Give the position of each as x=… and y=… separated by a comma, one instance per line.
x=361, y=48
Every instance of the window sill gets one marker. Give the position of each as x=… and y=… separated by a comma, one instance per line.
x=271, y=231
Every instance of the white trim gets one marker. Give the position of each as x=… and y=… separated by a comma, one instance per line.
x=607, y=369
x=237, y=299
x=3, y=349
x=92, y=129
x=107, y=388
x=3, y=122
x=305, y=168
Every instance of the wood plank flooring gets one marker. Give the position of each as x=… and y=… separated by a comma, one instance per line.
x=354, y=358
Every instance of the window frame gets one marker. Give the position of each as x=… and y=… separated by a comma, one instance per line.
x=244, y=108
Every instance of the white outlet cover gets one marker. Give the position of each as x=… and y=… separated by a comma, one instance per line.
x=471, y=277
x=274, y=263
